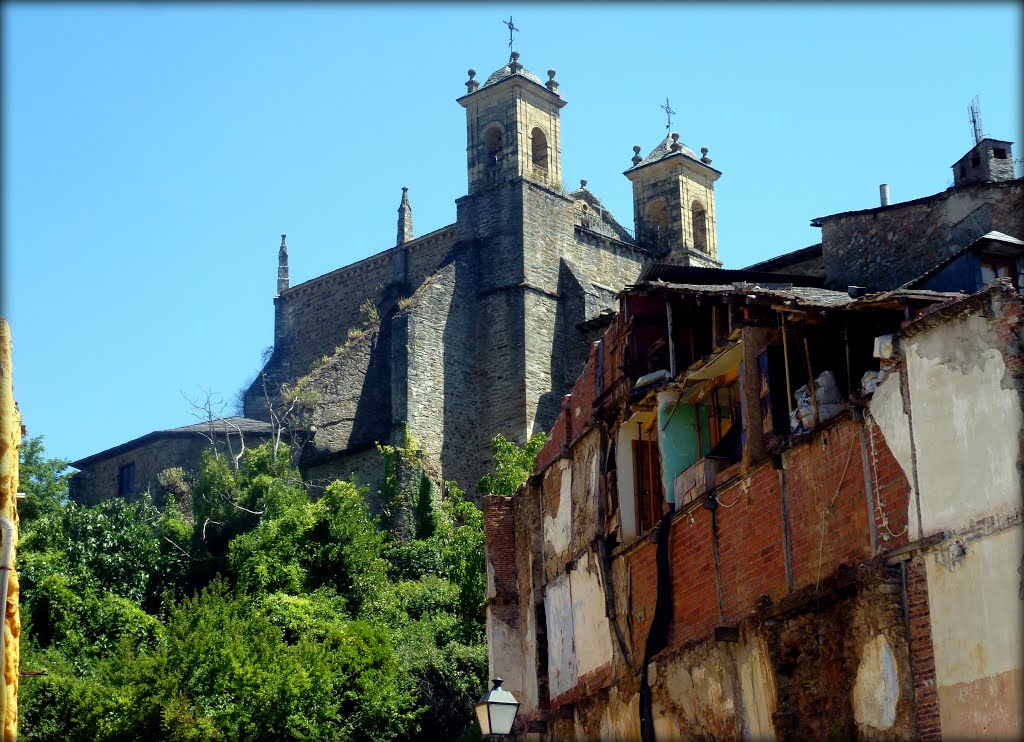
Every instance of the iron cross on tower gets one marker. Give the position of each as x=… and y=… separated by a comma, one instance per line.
x=511, y=29
x=668, y=111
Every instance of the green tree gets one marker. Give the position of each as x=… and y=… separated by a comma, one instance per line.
x=44, y=481
x=513, y=464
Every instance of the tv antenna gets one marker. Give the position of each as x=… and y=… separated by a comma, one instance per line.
x=975, y=112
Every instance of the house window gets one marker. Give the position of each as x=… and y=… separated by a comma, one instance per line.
x=126, y=479
x=718, y=423
x=993, y=267
x=700, y=226
x=1000, y=153
x=539, y=148
x=650, y=497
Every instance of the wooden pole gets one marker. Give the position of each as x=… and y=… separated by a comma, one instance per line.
x=785, y=362
x=810, y=382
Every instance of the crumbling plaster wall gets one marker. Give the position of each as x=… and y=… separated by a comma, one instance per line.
x=967, y=423
x=976, y=618
x=828, y=668
x=951, y=414
x=578, y=633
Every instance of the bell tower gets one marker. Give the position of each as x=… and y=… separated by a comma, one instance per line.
x=674, y=203
x=512, y=127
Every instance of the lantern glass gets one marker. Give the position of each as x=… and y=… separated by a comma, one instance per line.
x=502, y=716
x=496, y=711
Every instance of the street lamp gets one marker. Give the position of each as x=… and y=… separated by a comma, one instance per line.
x=496, y=710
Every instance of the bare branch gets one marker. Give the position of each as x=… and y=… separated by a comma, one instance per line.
x=191, y=558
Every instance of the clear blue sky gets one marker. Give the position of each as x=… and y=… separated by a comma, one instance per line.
x=153, y=155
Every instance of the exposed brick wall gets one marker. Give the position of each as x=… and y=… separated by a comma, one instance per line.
x=922, y=655
x=750, y=543
x=822, y=496
x=643, y=582
x=890, y=488
x=694, y=590
x=500, y=535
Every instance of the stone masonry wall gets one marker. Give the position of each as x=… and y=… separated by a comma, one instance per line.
x=884, y=248
x=94, y=484
x=433, y=359
x=313, y=318
x=352, y=409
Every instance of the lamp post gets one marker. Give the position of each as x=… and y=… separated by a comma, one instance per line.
x=496, y=710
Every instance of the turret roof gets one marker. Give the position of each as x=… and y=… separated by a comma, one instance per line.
x=664, y=150
x=511, y=69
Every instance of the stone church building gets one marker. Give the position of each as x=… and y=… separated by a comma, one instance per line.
x=481, y=326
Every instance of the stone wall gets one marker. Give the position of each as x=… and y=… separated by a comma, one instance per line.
x=434, y=360
x=100, y=481
x=351, y=393
x=886, y=247
x=313, y=318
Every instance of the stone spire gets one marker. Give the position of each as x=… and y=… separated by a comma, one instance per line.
x=404, y=218
x=282, y=267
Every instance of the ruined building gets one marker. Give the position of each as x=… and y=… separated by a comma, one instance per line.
x=785, y=502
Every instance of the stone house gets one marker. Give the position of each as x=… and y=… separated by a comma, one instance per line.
x=129, y=469
x=773, y=509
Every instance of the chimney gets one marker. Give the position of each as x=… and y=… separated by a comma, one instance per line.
x=883, y=192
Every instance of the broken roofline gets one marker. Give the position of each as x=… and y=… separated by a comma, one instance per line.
x=792, y=302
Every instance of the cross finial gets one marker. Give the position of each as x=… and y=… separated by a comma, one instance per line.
x=668, y=111
x=511, y=29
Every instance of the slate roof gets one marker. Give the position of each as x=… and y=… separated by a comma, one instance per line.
x=1007, y=243
x=808, y=296
x=506, y=72
x=229, y=424
x=789, y=258
x=690, y=274
x=664, y=150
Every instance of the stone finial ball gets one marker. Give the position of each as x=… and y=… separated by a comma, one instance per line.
x=636, y=148
x=515, y=56
x=472, y=73
x=583, y=182
x=675, y=136
x=703, y=150
x=551, y=74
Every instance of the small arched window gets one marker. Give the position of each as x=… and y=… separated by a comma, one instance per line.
x=493, y=144
x=656, y=222
x=539, y=148
x=700, y=226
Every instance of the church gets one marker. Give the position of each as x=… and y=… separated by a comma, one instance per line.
x=479, y=327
